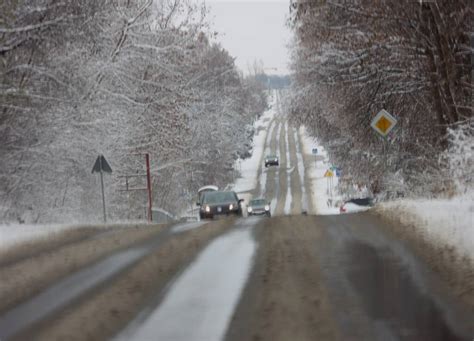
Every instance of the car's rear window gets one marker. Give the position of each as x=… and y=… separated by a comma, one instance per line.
x=217, y=197
x=271, y=156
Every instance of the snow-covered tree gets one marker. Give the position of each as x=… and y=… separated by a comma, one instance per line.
x=120, y=78
x=352, y=59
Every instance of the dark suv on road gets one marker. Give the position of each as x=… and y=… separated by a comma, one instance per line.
x=219, y=203
x=271, y=160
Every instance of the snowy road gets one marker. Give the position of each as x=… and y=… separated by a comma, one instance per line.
x=289, y=277
x=201, y=301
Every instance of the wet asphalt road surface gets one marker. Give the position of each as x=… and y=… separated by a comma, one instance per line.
x=392, y=294
x=343, y=278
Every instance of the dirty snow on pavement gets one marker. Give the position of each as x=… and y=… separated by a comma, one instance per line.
x=445, y=222
x=273, y=203
x=263, y=174
x=200, y=303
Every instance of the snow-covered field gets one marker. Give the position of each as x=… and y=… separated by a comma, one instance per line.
x=445, y=222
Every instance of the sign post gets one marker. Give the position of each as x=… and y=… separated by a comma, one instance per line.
x=383, y=123
x=100, y=166
x=148, y=186
x=329, y=175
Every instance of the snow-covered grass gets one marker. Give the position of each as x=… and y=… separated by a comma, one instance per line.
x=445, y=222
x=12, y=234
x=16, y=233
x=322, y=200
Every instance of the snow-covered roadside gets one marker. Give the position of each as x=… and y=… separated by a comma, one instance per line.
x=301, y=172
x=443, y=222
x=248, y=168
x=319, y=193
x=16, y=233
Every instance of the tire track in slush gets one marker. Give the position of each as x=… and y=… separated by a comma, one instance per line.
x=271, y=191
x=261, y=190
x=281, y=177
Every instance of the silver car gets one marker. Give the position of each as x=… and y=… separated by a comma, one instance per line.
x=258, y=207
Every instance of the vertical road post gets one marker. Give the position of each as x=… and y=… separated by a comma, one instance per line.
x=103, y=192
x=148, y=186
x=101, y=166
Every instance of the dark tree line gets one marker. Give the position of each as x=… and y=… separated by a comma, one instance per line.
x=414, y=59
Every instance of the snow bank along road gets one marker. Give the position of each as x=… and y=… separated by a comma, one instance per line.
x=289, y=277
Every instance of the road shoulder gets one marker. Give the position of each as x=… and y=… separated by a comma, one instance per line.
x=457, y=273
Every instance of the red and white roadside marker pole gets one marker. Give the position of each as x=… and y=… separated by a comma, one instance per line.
x=148, y=188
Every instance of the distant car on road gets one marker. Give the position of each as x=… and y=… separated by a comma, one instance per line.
x=214, y=203
x=258, y=207
x=271, y=160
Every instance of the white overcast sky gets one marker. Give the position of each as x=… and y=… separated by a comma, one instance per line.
x=253, y=30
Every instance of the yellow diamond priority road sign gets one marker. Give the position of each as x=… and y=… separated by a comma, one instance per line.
x=383, y=123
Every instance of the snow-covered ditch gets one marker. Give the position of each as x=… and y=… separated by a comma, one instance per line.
x=445, y=222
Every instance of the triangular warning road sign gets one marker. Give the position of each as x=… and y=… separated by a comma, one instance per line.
x=101, y=165
x=328, y=174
